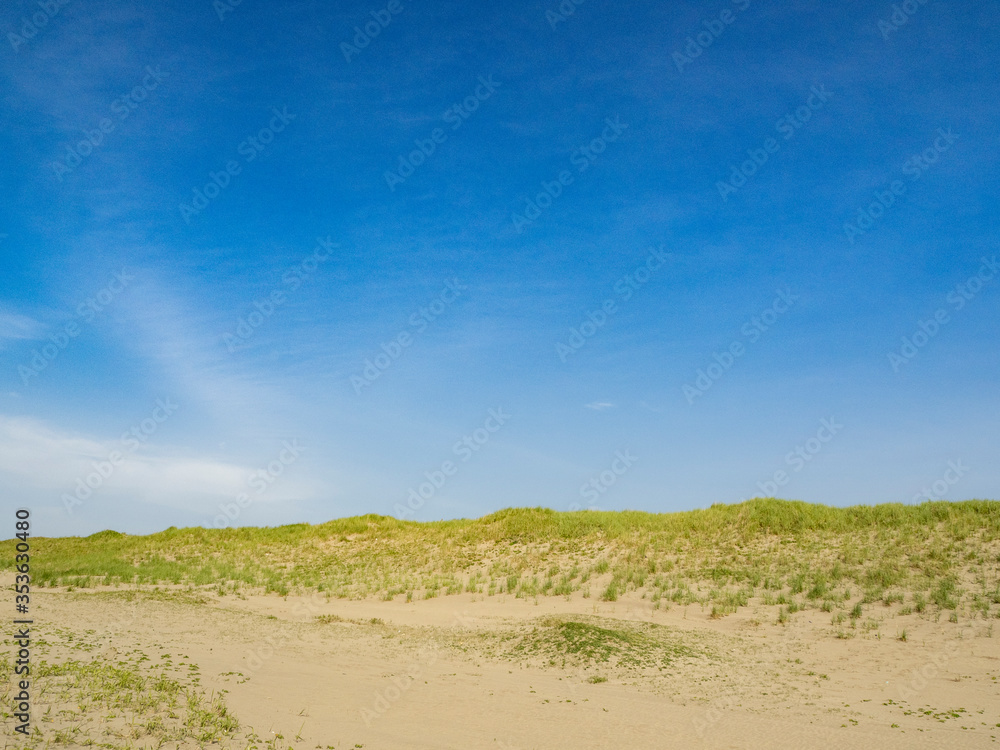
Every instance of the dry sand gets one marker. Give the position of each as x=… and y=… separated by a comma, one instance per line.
x=441, y=673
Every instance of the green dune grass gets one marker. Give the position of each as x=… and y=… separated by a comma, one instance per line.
x=791, y=555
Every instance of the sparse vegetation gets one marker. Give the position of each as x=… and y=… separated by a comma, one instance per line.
x=937, y=563
x=790, y=555
x=126, y=701
x=587, y=642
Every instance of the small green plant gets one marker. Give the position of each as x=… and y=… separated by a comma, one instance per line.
x=819, y=588
x=610, y=593
x=797, y=584
x=891, y=598
x=944, y=594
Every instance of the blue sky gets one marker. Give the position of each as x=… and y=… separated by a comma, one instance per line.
x=654, y=256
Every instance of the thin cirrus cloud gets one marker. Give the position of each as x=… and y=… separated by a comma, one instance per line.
x=48, y=459
x=14, y=326
x=74, y=475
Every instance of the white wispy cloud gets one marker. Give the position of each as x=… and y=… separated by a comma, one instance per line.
x=600, y=405
x=47, y=462
x=171, y=325
x=15, y=326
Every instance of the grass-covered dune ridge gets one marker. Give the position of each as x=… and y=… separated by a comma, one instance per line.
x=789, y=554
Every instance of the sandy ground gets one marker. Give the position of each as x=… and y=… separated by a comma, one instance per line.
x=426, y=676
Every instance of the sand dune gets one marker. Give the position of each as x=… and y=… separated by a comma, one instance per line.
x=469, y=671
